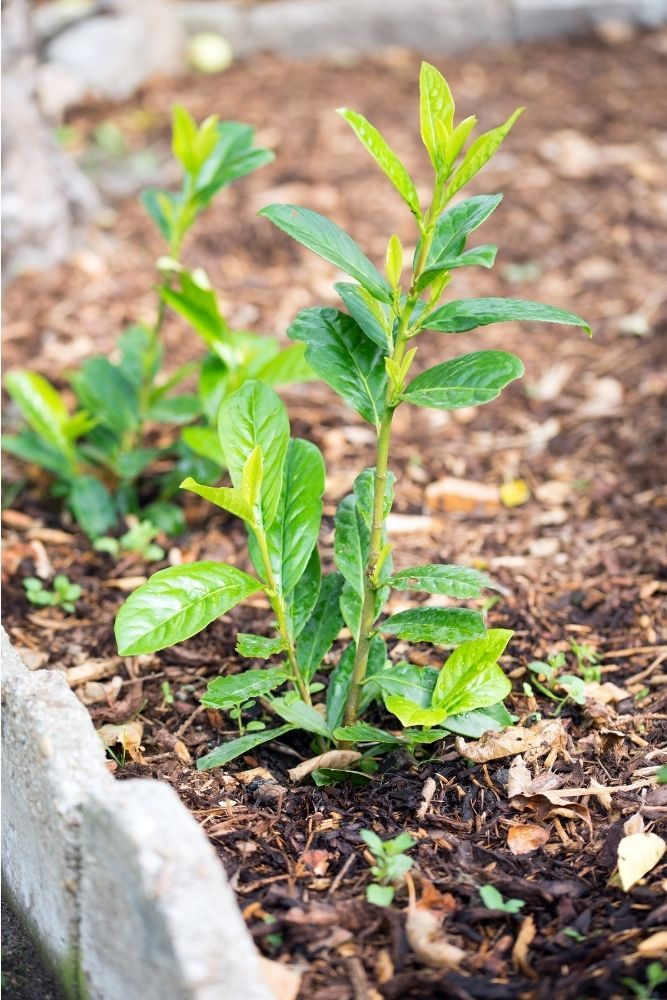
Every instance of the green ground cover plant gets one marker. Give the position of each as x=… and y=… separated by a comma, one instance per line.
x=101, y=454
x=366, y=355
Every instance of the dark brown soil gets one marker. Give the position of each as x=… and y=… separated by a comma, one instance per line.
x=582, y=226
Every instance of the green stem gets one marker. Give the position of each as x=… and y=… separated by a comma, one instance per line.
x=368, y=611
x=277, y=602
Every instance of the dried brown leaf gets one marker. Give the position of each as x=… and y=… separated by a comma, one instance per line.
x=547, y=737
x=283, y=981
x=338, y=759
x=523, y=941
x=128, y=735
x=638, y=854
x=526, y=837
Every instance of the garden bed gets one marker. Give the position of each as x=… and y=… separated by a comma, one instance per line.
x=581, y=560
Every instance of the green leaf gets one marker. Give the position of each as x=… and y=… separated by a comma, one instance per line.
x=474, y=724
x=236, y=748
x=493, y=900
x=379, y=895
x=440, y=625
x=299, y=714
x=301, y=602
x=454, y=226
x=178, y=602
x=322, y=627
x=377, y=661
x=364, y=489
x=468, y=314
x=479, y=153
x=103, y=390
x=204, y=441
x=175, y=409
x=468, y=380
x=408, y=681
x=259, y=646
x=341, y=354
x=288, y=365
x=471, y=677
x=410, y=714
x=255, y=415
x=361, y=732
x=198, y=305
x=183, y=138
x=140, y=354
x=43, y=408
x=228, y=499
x=92, y=506
x=385, y=157
x=328, y=240
x=351, y=542
x=293, y=534
x=233, y=157
x=166, y=516
x=226, y=692
x=28, y=446
x=453, y=581
x=374, y=318
x=436, y=105
x=338, y=686
x=163, y=207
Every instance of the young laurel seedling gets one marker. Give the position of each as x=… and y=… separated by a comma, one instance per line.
x=277, y=484
x=64, y=594
x=391, y=865
x=99, y=453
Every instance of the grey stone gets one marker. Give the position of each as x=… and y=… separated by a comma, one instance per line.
x=537, y=18
x=158, y=918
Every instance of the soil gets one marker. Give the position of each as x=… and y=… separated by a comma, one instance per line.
x=583, y=226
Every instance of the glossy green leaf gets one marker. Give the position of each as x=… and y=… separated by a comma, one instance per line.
x=408, y=681
x=322, y=627
x=328, y=240
x=301, y=602
x=233, y=157
x=436, y=578
x=255, y=415
x=338, y=686
x=163, y=207
x=384, y=156
x=361, y=732
x=228, y=499
x=178, y=602
x=92, y=506
x=351, y=541
x=260, y=647
x=453, y=228
x=288, y=365
x=468, y=314
x=440, y=625
x=236, y=748
x=474, y=724
x=199, y=307
x=300, y=714
x=410, y=714
x=204, y=441
x=436, y=105
x=43, y=408
x=374, y=318
x=471, y=677
x=103, y=390
x=227, y=692
x=28, y=446
x=479, y=153
x=377, y=662
x=175, y=409
x=468, y=380
x=341, y=354
x=364, y=489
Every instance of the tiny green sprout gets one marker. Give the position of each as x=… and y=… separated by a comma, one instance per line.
x=549, y=681
x=662, y=775
x=573, y=933
x=493, y=900
x=138, y=539
x=588, y=661
x=391, y=865
x=167, y=693
x=64, y=594
x=656, y=975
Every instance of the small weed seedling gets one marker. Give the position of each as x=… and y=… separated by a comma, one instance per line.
x=102, y=454
x=588, y=661
x=391, y=864
x=656, y=975
x=64, y=594
x=493, y=900
x=139, y=538
x=277, y=482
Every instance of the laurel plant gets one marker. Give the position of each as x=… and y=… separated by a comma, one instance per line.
x=366, y=355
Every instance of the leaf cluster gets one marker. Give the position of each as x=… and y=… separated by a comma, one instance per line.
x=63, y=593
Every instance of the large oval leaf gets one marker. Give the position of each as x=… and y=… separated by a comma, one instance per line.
x=328, y=240
x=469, y=380
x=301, y=602
x=226, y=692
x=342, y=355
x=43, y=408
x=468, y=314
x=244, y=744
x=471, y=677
x=322, y=627
x=434, y=578
x=178, y=602
x=384, y=156
x=409, y=681
x=374, y=318
x=255, y=415
x=456, y=224
x=442, y=625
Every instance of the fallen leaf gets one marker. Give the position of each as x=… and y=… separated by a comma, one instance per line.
x=519, y=778
x=128, y=735
x=316, y=861
x=605, y=694
x=654, y=946
x=95, y=691
x=526, y=837
x=338, y=759
x=43, y=566
x=547, y=737
x=523, y=941
x=92, y=670
x=638, y=854
x=182, y=752
x=514, y=493
x=424, y=931
x=283, y=981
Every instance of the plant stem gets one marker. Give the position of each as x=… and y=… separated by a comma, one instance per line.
x=368, y=611
x=277, y=602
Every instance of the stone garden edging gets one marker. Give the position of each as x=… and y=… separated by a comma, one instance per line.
x=114, y=880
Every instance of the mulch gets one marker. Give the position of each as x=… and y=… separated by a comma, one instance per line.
x=582, y=226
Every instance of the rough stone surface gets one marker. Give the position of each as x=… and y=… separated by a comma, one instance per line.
x=52, y=759
x=149, y=873
x=537, y=18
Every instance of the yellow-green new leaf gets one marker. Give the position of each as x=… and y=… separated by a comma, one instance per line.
x=394, y=261
x=471, y=677
x=410, y=714
x=436, y=105
x=251, y=479
x=384, y=156
x=479, y=154
x=222, y=496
